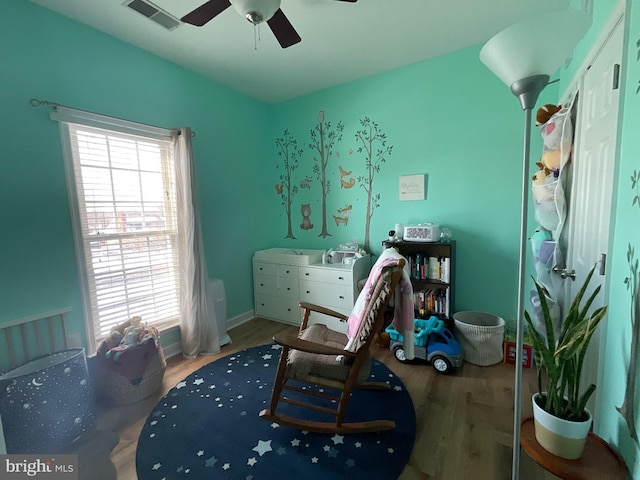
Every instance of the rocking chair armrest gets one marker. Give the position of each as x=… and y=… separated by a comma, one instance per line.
x=324, y=310
x=296, y=343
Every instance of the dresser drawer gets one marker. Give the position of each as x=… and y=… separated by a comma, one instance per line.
x=327, y=275
x=283, y=309
x=276, y=286
x=282, y=271
x=327, y=294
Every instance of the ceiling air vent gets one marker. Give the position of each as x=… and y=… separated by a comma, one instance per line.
x=153, y=12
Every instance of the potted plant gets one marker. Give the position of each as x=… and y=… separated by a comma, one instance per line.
x=561, y=418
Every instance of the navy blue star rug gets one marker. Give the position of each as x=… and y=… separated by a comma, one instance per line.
x=207, y=427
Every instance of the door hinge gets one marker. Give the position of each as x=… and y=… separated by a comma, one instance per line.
x=616, y=76
x=603, y=264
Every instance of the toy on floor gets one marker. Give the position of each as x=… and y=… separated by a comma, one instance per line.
x=433, y=342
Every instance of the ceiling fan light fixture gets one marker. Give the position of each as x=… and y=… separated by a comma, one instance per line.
x=256, y=11
x=254, y=17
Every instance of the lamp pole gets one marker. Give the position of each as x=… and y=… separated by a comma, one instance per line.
x=527, y=90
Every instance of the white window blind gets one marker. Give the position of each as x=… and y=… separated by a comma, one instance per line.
x=125, y=197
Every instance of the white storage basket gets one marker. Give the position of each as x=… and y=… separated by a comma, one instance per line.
x=481, y=336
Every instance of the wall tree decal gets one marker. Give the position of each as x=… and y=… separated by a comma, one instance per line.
x=323, y=139
x=290, y=152
x=373, y=142
x=627, y=409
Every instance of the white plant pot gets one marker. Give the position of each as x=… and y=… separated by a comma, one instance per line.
x=563, y=438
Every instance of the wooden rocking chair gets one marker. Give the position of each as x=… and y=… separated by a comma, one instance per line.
x=326, y=358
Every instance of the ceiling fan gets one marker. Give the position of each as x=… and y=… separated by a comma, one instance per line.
x=256, y=11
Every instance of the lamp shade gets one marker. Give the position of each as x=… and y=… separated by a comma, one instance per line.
x=536, y=46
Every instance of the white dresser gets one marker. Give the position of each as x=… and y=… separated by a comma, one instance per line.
x=279, y=287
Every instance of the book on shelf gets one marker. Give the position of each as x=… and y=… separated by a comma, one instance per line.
x=423, y=267
x=432, y=302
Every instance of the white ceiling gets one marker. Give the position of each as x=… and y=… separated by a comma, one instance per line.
x=340, y=41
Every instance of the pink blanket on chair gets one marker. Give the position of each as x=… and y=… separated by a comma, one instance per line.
x=403, y=312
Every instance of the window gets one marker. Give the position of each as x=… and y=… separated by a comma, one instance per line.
x=123, y=191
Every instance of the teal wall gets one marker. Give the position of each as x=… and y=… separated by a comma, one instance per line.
x=469, y=146
x=47, y=56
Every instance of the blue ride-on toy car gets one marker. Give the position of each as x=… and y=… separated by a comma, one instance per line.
x=433, y=342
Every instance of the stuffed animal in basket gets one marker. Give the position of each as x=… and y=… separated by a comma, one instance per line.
x=131, y=337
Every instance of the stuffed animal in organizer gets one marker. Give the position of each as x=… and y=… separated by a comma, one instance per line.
x=551, y=162
x=539, y=184
x=545, y=112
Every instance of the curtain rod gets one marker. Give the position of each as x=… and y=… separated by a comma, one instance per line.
x=46, y=103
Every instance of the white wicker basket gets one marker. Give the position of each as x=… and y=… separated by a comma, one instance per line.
x=481, y=336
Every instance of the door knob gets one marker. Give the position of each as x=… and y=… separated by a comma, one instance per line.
x=564, y=273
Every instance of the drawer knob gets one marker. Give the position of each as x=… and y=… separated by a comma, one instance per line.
x=307, y=274
x=308, y=291
x=340, y=278
x=341, y=297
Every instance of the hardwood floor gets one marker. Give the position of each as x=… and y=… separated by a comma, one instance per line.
x=464, y=420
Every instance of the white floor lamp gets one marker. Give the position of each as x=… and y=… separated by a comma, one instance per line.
x=524, y=56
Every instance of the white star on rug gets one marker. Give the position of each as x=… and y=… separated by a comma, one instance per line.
x=314, y=460
x=252, y=461
x=390, y=450
x=326, y=448
x=397, y=388
x=210, y=462
x=275, y=425
x=226, y=466
x=266, y=356
x=198, y=381
x=337, y=439
x=262, y=447
x=156, y=466
x=154, y=422
x=200, y=453
x=358, y=444
x=295, y=442
x=350, y=463
x=181, y=384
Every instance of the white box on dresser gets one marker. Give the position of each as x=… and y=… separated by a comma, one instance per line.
x=280, y=286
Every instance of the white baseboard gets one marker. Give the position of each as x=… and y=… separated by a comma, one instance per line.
x=240, y=319
x=176, y=348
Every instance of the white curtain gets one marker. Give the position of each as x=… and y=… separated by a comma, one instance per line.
x=198, y=332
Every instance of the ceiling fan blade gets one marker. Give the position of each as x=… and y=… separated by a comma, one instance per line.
x=205, y=12
x=283, y=30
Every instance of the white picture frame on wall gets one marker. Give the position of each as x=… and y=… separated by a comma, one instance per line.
x=412, y=187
